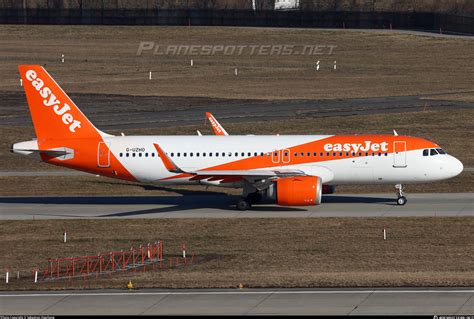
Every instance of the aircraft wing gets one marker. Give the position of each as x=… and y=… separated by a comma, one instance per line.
x=253, y=173
x=250, y=175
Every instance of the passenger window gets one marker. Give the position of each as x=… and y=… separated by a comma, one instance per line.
x=184, y=154
x=152, y=154
x=360, y=154
x=340, y=154
x=191, y=154
x=223, y=154
x=433, y=152
x=236, y=154
x=121, y=154
x=314, y=154
x=249, y=154
x=347, y=153
x=126, y=155
x=146, y=154
x=366, y=153
x=133, y=154
x=255, y=154
x=217, y=154
x=327, y=154
x=309, y=153
x=172, y=154
x=197, y=154
x=139, y=154
x=296, y=154
x=179, y=154
x=321, y=154
x=242, y=154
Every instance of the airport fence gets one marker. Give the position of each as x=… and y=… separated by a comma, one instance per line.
x=421, y=21
x=144, y=258
x=115, y=261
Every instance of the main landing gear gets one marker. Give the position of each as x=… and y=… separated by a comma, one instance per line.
x=401, y=200
x=246, y=203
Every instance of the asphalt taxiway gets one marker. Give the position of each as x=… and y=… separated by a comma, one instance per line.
x=459, y=301
x=220, y=205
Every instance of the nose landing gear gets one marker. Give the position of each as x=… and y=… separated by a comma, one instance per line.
x=401, y=200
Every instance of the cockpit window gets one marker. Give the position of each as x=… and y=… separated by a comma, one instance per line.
x=441, y=151
x=433, y=152
x=426, y=152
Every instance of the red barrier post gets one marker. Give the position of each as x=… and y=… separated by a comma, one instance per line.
x=161, y=250
x=143, y=257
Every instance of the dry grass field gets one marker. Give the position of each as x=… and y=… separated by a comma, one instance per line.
x=322, y=252
x=103, y=59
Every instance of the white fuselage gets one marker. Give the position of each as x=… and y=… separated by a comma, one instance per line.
x=193, y=153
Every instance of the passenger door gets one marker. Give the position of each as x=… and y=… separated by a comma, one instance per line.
x=400, y=154
x=103, y=155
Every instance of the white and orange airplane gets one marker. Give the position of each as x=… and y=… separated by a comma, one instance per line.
x=288, y=170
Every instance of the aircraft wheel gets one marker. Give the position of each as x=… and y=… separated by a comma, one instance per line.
x=243, y=204
x=401, y=200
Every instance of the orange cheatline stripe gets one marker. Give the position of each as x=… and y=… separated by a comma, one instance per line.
x=255, y=162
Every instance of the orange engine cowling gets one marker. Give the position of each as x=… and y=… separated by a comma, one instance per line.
x=299, y=191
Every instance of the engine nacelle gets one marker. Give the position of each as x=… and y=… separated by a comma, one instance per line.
x=298, y=191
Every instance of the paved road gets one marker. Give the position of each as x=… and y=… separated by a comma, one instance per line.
x=109, y=111
x=237, y=302
x=219, y=205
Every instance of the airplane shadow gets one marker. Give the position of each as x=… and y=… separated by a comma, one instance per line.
x=189, y=201
x=354, y=199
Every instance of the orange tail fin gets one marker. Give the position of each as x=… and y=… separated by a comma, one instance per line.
x=53, y=113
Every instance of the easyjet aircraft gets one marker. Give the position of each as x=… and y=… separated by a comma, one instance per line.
x=289, y=170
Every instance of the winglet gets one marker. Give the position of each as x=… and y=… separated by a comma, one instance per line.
x=395, y=133
x=169, y=164
x=218, y=129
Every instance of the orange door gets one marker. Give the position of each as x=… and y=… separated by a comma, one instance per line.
x=103, y=155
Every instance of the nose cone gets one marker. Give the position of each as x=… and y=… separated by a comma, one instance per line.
x=455, y=166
